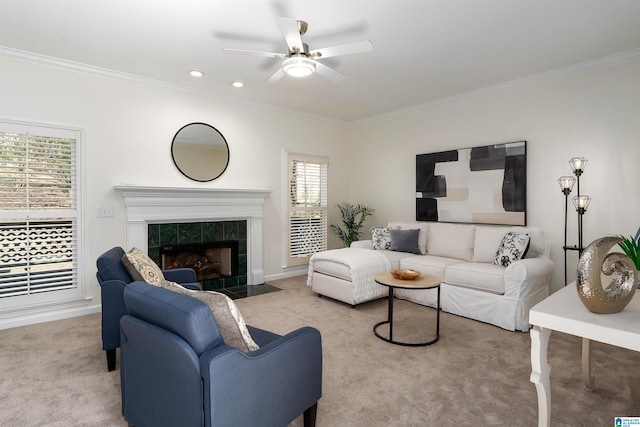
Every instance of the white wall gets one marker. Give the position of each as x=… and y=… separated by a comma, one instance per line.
x=595, y=114
x=130, y=127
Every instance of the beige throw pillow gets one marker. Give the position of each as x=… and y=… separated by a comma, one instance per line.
x=142, y=268
x=230, y=322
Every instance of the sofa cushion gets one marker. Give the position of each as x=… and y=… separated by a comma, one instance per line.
x=481, y=276
x=405, y=241
x=422, y=226
x=228, y=318
x=142, y=268
x=536, y=243
x=332, y=268
x=513, y=247
x=486, y=242
x=428, y=264
x=451, y=240
x=394, y=258
x=380, y=238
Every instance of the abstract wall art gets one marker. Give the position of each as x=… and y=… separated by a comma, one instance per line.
x=480, y=185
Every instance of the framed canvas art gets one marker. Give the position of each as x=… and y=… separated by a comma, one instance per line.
x=480, y=185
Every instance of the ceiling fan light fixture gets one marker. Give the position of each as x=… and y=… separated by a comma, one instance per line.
x=299, y=66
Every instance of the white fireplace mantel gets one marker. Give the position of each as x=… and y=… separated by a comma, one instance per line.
x=156, y=205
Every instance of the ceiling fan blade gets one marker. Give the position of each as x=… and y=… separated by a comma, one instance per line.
x=279, y=73
x=291, y=33
x=255, y=53
x=328, y=72
x=343, y=49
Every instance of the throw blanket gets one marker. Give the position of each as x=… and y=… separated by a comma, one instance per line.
x=363, y=264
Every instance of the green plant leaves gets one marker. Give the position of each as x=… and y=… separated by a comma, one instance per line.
x=631, y=247
x=353, y=217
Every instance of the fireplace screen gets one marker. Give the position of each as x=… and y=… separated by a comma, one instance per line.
x=214, y=260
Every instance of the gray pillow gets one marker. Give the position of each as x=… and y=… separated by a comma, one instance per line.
x=405, y=241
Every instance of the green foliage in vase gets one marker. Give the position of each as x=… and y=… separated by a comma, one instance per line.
x=352, y=220
x=631, y=247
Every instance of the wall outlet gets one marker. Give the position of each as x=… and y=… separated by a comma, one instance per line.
x=104, y=211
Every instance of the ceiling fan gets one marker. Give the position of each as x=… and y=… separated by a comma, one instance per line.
x=299, y=61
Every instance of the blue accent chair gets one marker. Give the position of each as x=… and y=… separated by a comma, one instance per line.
x=177, y=371
x=113, y=278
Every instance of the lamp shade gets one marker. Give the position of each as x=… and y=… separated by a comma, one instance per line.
x=578, y=164
x=298, y=66
x=581, y=202
x=566, y=183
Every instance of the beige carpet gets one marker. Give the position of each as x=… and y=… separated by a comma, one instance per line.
x=55, y=374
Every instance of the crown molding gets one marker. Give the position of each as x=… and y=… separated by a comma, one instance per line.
x=78, y=67
x=596, y=64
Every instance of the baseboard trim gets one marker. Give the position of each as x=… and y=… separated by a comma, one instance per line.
x=291, y=272
x=48, y=316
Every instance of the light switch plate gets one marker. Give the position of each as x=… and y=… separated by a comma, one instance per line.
x=104, y=211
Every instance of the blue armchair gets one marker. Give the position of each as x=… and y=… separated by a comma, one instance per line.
x=177, y=371
x=113, y=277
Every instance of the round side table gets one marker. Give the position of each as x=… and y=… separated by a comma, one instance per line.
x=425, y=281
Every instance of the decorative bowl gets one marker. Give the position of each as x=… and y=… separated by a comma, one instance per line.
x=405, y=274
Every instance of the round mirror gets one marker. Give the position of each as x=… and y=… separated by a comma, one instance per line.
x=200, y=152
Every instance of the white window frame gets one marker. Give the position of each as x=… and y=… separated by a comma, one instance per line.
x=33, y=303
x=321, y=238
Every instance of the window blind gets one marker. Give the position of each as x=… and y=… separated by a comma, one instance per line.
x=38, y=213
x=308, y=214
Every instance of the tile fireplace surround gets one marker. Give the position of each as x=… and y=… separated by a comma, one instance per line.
x=161, y=205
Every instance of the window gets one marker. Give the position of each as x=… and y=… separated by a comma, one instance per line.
x=307, y=207
x=39, y=215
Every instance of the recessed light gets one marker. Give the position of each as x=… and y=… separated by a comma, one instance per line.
x=237, y=84
x=196, y=73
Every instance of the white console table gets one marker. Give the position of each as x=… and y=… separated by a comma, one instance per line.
x=564, y=312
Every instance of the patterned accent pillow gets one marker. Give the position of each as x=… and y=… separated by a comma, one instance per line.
x=514, y=246
x=381, y=237
x=230, y=322
x=142, y=268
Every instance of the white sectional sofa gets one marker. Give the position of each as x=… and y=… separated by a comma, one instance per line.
x=462, y=256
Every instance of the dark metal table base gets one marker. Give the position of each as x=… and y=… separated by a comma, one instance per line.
x=390, y=322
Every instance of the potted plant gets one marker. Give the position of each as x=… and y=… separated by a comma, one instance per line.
x=352, y=219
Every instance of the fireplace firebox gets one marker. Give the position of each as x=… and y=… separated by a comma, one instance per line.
x=210, y=260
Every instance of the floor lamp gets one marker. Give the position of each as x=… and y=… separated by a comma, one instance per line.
x=566, y=185
x=580, y=202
